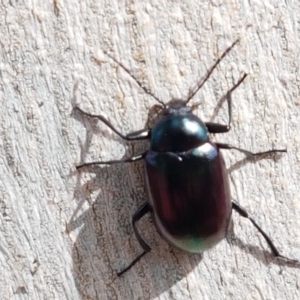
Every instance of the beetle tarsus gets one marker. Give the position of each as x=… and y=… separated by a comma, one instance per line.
x=132, y=263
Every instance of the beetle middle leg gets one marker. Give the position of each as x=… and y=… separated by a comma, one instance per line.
x=247, y=152
x=274, y=250
x=133, y=136
x=145, y=208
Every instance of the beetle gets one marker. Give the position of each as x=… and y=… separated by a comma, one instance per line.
x=186, y=177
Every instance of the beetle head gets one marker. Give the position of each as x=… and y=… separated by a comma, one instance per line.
x=176, y=107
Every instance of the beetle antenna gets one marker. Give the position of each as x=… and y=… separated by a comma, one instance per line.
x=199, y=86
x=146, y=90
x=194, y=106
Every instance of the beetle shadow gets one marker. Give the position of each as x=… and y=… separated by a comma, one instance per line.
x=105, y=242
x=253, y=160
x=218, y=108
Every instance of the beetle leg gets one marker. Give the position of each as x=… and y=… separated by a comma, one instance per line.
x=137, y=135
x=136, y=217
x=220, y=128
x=142, y=134
x=274, y=250
x=217, y=128
x=113, y=162
x=246, y=152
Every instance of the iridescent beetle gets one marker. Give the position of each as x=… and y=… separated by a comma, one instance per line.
x=187, y=181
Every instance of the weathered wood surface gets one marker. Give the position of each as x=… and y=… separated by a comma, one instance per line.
x=63, y=233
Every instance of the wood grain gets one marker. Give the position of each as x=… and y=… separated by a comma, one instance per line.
x=63, y=233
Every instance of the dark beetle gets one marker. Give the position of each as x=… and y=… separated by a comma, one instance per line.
x=186, y=177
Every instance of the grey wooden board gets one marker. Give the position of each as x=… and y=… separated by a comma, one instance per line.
x=63, y=233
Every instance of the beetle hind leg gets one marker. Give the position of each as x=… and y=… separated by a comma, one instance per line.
x=274, y=250
x=136, y=217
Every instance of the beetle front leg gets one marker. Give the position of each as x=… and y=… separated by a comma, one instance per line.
x=134, y=136
x=136, y=217
x=274, y=250
x=246, y=152
x=220, y=128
